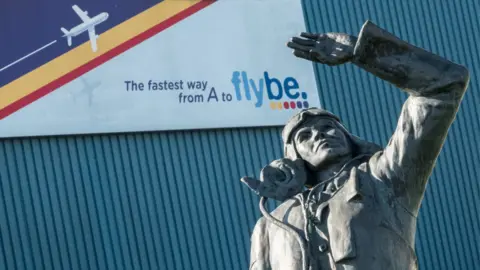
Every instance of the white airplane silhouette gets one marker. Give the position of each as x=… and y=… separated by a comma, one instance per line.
x=88, y=24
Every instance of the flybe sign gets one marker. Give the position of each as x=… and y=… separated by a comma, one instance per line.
x=151, y=79
x=271, y=90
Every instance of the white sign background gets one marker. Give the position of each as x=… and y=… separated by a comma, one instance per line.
x=208, y=46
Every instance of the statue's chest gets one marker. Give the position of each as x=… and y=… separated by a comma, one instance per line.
x=343, y=206
x=345, y=197
x=359, y=226
x=345, y=215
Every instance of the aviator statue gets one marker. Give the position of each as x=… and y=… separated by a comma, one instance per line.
x=348, y=203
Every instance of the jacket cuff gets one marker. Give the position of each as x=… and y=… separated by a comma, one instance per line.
x=374, y=42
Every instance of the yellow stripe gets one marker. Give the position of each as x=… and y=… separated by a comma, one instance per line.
x=83, y=54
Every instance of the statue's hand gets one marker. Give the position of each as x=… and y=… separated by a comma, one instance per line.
x=280, y=180
x=330, y=48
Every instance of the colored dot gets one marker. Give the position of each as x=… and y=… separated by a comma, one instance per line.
x=273, y=105
x=286, y=105
x=292, y=104
x=299, y=104
x=304, y=95
x=279, y=104
x=305, y=104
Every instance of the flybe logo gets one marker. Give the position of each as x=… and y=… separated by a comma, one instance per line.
x=281, y=94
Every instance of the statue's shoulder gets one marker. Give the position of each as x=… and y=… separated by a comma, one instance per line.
x=286, y=209
x=286, y=206
x=290, y=211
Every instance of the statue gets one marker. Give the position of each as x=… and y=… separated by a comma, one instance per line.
x=348, y=203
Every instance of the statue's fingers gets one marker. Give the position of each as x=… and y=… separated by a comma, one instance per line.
x=315, y=37
x=310, y=35
x=299, y=47
x=301, y=41
x=302, y=54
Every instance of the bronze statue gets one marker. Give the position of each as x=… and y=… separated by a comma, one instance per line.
x=348, y=203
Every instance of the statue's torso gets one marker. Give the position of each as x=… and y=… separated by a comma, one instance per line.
x=357, y=223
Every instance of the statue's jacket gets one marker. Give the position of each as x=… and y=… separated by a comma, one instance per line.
x=365, y=218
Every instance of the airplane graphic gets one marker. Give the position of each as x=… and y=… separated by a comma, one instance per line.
x=87, y=25
x=88, y=88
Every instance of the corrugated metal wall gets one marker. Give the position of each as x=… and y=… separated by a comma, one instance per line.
x=173, y=200
x=143, y=201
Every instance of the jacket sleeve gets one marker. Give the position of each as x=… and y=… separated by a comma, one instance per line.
x=435, y=87
x=259, y=250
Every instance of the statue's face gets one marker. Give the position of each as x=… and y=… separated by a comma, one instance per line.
x=320, y=142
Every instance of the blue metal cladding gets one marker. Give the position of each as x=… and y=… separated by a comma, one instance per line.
x=173, y=200
x=135, y=201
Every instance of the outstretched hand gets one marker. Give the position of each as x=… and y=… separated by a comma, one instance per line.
x=280, y=180
x=330, y=48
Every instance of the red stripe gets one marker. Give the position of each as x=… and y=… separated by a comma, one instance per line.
x=52, y=86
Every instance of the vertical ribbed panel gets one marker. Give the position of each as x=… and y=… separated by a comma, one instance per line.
x=448, y=231
x=173, y=200
x=136, y=201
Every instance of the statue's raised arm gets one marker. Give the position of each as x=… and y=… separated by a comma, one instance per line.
x=435, y=85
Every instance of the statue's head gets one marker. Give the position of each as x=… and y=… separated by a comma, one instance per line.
x=320, y=139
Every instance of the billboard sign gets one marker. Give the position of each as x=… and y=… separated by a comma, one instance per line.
x=110, y=66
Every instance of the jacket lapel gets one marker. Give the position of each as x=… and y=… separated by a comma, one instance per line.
x=342, y=240
x=351, y=188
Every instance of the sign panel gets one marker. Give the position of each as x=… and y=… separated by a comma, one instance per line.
x=123, y=66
